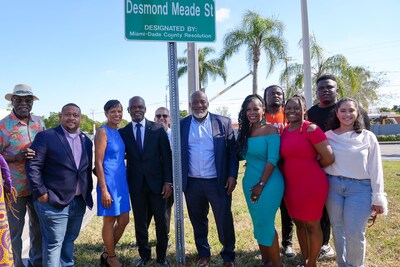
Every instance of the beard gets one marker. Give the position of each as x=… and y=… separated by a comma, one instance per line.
x=200, y=115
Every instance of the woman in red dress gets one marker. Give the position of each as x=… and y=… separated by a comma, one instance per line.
x=305, y=149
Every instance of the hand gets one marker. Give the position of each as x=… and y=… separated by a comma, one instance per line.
x=230, y=185
x=167, y=190
x=25, y=153
x=44, y=198
x=256, y=193
x=106, y=199
x=377, y=209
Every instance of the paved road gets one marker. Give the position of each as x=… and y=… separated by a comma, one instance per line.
x=388, y=151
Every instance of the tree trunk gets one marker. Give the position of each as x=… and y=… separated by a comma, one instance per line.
x=255, y=77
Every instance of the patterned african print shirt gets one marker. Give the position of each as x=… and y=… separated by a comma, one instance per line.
x=14, y=136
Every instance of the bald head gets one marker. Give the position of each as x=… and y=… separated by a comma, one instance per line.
x=137, y=108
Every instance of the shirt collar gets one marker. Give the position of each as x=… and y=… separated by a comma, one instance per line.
x=204, y=121
x=16, y=120
x=143, y=123
x=71, y=135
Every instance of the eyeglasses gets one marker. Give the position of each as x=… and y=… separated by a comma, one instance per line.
x=25, y=100
x=158, y=116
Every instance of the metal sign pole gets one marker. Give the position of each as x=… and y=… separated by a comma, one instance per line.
x=176, y=153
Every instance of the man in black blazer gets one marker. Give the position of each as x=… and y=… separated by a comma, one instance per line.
x=149, y=174
x=60, y=178
x=209, y=173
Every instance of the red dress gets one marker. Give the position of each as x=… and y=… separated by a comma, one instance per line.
x=306, y=184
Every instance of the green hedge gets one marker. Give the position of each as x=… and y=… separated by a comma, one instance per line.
x=392, y=137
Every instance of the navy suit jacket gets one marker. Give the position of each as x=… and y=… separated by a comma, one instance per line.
x=53, y=169
x=226, y=162
x=154, y=164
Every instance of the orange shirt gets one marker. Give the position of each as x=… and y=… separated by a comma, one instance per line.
x=278, y=120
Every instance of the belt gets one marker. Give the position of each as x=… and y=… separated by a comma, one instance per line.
x=202, y=178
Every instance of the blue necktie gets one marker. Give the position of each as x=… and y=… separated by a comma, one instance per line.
x=139, y=137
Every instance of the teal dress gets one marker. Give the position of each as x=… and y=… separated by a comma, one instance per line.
x=114, y=175
x=260, y=150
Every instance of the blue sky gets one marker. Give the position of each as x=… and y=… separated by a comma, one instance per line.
x=75, y=51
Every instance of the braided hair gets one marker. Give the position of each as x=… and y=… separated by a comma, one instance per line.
x=244, y=125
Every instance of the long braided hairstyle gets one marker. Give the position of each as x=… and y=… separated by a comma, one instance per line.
x=244, y=125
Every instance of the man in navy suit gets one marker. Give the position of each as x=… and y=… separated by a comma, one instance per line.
x=149, y=174
x=209, y=173
x=60, y=178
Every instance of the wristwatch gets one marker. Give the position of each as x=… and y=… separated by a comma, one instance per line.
x=261, y=183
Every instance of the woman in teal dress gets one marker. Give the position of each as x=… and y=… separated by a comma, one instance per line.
x=112, y=187
x=258, y=143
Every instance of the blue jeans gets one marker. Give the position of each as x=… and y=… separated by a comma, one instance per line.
x=16, y=222
x=349, y=207
x=60, y=228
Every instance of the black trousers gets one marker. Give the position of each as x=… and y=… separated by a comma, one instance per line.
x=326, y=227
x=287, y=226
x=142, y=203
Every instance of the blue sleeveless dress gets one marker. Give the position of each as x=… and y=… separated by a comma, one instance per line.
x=115, y=176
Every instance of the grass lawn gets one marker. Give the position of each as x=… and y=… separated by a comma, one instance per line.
x=383, y=247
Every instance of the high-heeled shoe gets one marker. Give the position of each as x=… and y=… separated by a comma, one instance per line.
x=103, y=259
x=111, y=256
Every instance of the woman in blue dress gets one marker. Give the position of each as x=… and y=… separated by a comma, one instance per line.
x=112, y=187
x=258, y=143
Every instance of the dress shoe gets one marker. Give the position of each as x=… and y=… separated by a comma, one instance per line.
x=142, y=262
x=203, y=262
x=229, y=264
x=163, y=263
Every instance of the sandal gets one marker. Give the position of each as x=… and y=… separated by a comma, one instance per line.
x=112, y=256
x=103, y=259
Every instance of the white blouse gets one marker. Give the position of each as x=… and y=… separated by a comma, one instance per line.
x=358, y=156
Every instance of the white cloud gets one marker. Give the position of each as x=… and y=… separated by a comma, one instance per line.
x=223, y=14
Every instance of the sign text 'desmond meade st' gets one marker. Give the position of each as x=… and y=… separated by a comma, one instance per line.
x=170, y=20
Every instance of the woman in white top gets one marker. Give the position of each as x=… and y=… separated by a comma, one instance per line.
x=355, y=182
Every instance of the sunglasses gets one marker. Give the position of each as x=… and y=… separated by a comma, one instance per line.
x=158, y=116
x=21, y=100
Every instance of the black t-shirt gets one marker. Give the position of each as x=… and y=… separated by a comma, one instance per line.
x=319, y=115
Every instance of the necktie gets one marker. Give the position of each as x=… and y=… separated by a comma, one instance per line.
x=139, y=137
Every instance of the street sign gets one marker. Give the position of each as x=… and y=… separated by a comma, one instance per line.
x=170, y=20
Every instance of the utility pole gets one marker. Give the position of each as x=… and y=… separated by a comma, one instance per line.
x=193, y=70
x=306, y=54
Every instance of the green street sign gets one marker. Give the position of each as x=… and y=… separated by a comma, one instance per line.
x=170, y=20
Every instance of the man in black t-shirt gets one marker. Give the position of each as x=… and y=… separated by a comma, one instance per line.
x=319, y=114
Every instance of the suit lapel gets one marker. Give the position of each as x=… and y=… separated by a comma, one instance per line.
x=84, y=158
x=215, y=129
x=131, y=136
x=63, y=139
x=147, y=132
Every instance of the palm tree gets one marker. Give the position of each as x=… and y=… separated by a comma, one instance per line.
x=213, y=67
x=353, y=81
x=293, y=73
x=257, y=35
